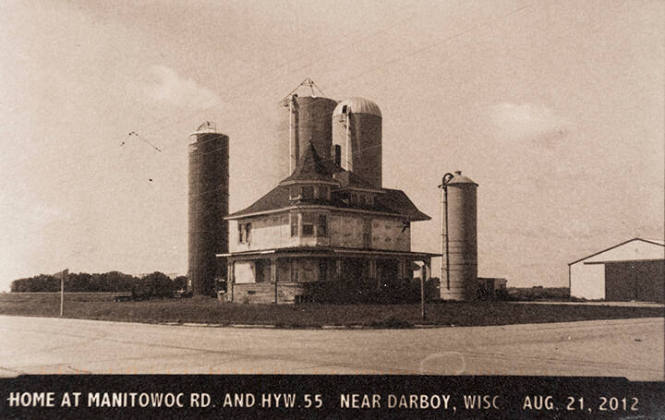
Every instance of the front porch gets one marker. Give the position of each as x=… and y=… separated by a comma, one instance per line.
x=296, y=275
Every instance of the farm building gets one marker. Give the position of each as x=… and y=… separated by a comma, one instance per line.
x=631, y=270
x=330, y=222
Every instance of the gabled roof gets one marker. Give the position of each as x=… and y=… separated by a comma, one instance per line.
x=650, y=241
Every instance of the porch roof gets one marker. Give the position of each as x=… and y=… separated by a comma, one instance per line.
x=326, y=252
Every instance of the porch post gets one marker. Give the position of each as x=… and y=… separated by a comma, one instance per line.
x=423, y=278
x=230, y=268
x=372, y=272
x=338, y=269
x=273, y=274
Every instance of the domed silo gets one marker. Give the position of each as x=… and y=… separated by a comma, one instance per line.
x=306, y=119
x=208, y=205
x=357, y=133
x=459, y=268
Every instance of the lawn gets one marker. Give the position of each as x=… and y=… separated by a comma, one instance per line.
x=207, y=310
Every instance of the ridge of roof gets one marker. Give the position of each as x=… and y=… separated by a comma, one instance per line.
x=651, y=241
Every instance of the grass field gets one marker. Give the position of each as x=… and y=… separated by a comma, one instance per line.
x=207, y=310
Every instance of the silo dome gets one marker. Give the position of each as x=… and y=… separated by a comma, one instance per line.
x=357, y=138
x=357, y=105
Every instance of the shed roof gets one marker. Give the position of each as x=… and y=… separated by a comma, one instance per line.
x=648, y=249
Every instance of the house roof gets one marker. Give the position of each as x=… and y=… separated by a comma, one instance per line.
x=311, y=167
x=348, y=179
x=650, y=241
x=391, y=201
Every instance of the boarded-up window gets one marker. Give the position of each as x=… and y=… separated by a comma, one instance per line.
x=308, y=192
x=307, y=224
x=322, y=228
x=248, y=232
x=323, y=192
x=367, y=233
x=294, y=224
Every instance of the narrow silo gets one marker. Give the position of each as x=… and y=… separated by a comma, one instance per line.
x=306, y=119
x=208, y=205
x=357, y=133
x=459, y=268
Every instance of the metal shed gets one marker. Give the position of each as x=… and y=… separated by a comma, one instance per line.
x=630, y=270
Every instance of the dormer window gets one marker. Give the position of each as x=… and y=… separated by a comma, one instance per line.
x=307, y=224
x=308, y=192
x=323, y=192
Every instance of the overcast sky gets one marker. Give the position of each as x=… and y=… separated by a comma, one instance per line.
x=555, y=108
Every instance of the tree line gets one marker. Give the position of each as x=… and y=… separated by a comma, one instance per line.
x=155, y=284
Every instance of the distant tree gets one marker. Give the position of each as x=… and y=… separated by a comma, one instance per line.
x=157, y=285
x=113, y=281
x=180, y=282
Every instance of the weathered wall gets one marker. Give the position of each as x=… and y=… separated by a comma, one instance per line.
x=265, y=293
x=387, y=234
x=243, y=272
x=346, y=230
x=270, y=231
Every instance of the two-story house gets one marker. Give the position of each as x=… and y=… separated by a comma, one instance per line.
x=320, y=224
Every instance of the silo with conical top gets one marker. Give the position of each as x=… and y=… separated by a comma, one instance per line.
x=208, y=205
x=459, y=268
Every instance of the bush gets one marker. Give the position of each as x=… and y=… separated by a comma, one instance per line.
x=365, y=291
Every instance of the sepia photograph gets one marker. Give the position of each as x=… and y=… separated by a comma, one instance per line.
x=345, y=208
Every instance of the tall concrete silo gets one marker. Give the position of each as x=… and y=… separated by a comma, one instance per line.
x=357, y=132
x=459, y=268
x=208, y=205
x=306, y=119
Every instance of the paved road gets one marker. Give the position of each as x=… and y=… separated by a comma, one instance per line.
x=631, y=348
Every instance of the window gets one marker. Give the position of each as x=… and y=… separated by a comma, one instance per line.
x=248, y=232
x=367, y=233
x=354, y=199
x=294, y=193
x=294, y=224
x=323, y=192
x=308, y=192
x=307, y=224
x=363, y=203
x=244, y=232
x=323, y=270
x=322, y=228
